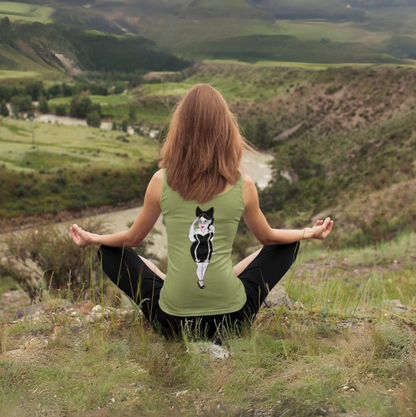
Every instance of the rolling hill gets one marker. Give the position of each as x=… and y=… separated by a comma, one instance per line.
x=54, y=47
x=300, y=31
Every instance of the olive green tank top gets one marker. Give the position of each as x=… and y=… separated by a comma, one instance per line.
x=200, y=278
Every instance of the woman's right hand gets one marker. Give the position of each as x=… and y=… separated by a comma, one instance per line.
x=320, y=230
x=81, y=237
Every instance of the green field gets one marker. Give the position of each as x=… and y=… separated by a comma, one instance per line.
x=32, y=146
x=25, y=12
x=9, y=75
x=116, y=107
x=336, y=32
x=105, y=101
x=42, y=166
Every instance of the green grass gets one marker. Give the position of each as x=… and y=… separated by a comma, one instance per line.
x=352, y=355
x=105, y=101
x=117, y=106
x=306, y=65
x=26, y=12
x=336, y=32
x=253, y=85
x=42, y=173
x=59, y=146
x=7, y=284
x=14, y=65
x=17, y=74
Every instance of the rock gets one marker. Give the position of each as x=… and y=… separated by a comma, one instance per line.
x=277, y=298
x=29, y=311
x=394, y=303
x=84, y=307
x=345, y=262
x=298, y=304
x=391, y=302
x=215, y=351
x=89, y=318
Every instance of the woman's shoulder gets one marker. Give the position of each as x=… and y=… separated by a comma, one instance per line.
x=247, y=180
x=158, y=175
x=157, y=178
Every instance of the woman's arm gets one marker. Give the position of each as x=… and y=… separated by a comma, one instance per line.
x=134, y=236
x=258, y=225
x=192, y=231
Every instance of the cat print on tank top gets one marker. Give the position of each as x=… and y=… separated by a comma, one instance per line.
x=202, y=242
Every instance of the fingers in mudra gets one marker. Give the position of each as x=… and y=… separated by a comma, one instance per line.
x=79, y=235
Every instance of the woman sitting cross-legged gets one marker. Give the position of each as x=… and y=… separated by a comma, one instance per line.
x=202, y=195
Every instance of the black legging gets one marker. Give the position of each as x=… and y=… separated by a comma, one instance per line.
x=131, y=274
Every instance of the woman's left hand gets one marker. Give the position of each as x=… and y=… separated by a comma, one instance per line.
x=321, y=229
x=81, y=237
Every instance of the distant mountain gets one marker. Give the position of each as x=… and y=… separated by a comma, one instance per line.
x=379, y=30
x=72, y=49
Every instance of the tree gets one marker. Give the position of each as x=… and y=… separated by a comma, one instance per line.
x=43, y=105
x=6, y=35
x=80, y=107
x=67, y=90
x=34, y=89
x=94, y=118
x=124, y=125
x=4, y=111
x=21, y=103
x=60, y=110
x=5, y=93
x=54, y=91
x=30, y=114
x=132, y=114
x=262, y=137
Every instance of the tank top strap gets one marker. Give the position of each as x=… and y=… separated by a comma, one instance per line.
x=163, y=179
x=240, y=188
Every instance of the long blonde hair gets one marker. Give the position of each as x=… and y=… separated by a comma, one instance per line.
x=203, y=148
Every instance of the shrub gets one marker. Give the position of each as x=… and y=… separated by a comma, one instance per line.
x=43, y=105
x=4, y=111
x=94, y=118
x=60, y=110
x=21, y=103
x=46, y=260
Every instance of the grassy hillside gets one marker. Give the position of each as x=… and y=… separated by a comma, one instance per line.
x=26, y=12
x=14, y=64
x=68, y=49
x=344, y=345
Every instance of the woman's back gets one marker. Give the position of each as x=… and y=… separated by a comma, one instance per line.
x=200, y=278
